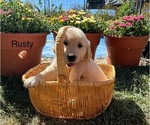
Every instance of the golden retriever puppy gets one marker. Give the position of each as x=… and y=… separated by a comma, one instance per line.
x=77, y=55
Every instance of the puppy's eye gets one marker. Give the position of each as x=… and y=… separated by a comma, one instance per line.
x=80, y=45
x=65, y=43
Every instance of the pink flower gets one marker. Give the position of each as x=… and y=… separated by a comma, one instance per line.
x=116, y=22
x=127, y=18
x=1, y=11
x=136, y=18
x=124, y=17
x=4, y=12
x=132, y=18
x=141, y=17
x=88, y=15
x=122, y=25
x=63, y=18
x=129, y=24
x=111, y=27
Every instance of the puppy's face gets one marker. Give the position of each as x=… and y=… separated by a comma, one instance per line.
x=76, y=46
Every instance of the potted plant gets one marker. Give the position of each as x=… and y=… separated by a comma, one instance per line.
x=125, y=39
x=23, y=34
x=91, y=24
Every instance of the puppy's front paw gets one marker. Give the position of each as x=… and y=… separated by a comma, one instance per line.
x=32, y=81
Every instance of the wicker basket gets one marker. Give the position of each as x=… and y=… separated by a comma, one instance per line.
x=64, y=99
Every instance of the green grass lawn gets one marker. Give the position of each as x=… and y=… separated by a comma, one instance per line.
x=130, y=104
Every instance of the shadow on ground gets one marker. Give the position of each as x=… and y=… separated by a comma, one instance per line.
x=133, y=79
x=120, y=112
x=15, y=99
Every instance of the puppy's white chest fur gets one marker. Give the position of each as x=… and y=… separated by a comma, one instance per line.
x=85, y=70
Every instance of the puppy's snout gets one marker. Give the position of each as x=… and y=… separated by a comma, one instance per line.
x=71, y=57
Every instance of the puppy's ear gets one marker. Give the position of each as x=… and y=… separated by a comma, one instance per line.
x=88, y=54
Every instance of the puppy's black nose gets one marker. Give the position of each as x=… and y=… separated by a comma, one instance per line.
x=71, y=57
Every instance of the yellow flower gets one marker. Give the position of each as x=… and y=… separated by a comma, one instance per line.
x=53, y=18
x=78, y=22
x=29, y=10
x=23, y=18
x=78, y=18
x=29, y=19
x=61, y=16
x=91, y=20
x=82, y=12
x=18, y=2
x=71, y=21
x=92, y=17
x=72, y=16
x=61, y=21
x=1, y=1
x=72, y=11
x=22, y=4
x=85, y=20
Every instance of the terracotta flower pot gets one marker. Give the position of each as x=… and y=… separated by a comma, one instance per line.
x=125, y=51
x=20, y=52
x=94, y=38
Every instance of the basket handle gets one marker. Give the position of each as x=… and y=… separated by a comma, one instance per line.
x=63, y=71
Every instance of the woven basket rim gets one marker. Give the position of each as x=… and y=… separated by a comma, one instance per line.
x=74, y=83
x=77, y=83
